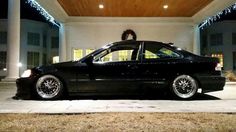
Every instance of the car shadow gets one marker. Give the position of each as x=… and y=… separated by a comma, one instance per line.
x=151, y=96
x=199, y=96
x=206, y=97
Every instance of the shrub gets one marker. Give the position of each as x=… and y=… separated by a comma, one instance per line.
x=230, y=76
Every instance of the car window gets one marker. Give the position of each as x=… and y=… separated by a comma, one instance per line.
x=155, y=51
x=101, y=55
x=118, y=53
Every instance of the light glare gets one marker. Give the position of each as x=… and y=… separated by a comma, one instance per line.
x=179, y=49
x=101, y=6
x=165, y=6
x=26, y=73
x=19, y=64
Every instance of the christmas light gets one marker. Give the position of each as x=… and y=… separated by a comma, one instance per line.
x=216, y=17
x=42, y=11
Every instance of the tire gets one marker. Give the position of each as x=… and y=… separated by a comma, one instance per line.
x=184, y=87
x=49, y=87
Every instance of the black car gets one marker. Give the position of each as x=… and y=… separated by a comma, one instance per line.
x=126, y=67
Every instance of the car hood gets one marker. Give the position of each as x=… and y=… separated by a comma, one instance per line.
x=64, y=64
x=54, y=67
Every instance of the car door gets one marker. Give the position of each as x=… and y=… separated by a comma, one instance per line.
x=115, y=72
x=159, y=64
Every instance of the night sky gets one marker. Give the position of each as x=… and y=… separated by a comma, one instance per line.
x=230, y=16
x=28, y=12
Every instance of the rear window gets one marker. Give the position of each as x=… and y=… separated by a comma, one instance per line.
x=156, y=51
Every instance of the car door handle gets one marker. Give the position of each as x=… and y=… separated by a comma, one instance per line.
x=132, y=67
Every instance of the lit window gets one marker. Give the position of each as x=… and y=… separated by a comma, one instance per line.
x=55, y=59
x=88, y=51
x=150, y=55
x=123, y=54
x=108, y=57
x=78, y=54
x=104, y=56
x=221, y=58
x=118, y=53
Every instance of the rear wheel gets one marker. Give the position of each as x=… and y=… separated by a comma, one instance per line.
x=184, y=87
x=49, y=87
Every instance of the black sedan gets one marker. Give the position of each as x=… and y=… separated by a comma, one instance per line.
x=126, y=67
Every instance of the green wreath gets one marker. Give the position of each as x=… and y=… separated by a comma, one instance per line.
x=126, y=34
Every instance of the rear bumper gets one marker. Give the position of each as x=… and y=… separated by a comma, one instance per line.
x=211, y=83
x=24, y=88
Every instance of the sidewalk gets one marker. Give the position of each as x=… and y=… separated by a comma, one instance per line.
x=231, y=83
x=222, y=101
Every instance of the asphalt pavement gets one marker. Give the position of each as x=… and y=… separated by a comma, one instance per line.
x=222, y=101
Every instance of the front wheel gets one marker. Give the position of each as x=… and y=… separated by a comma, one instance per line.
x=184, y=87
x=49, y=87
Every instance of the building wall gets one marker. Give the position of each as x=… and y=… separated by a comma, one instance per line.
x=227, y=48
x=34, y=27
x=93, y=35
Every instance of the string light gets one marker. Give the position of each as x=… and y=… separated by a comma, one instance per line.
x=42, y=11
x=216, y=17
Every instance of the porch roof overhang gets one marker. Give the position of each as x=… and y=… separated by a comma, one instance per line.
x=61, y=15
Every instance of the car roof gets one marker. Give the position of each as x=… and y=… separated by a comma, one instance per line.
x=169, y=45
x=139, y=41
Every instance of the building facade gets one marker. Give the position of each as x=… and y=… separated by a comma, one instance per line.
x=38, y=45
x=81, y=32
x=219, y=40
x=90, y=34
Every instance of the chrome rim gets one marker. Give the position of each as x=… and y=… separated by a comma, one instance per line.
x=48, y=86
x=184, y=86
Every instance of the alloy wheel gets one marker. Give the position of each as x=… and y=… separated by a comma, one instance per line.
x=48, y=87
x=184, y=87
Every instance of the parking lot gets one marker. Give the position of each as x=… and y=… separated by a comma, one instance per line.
x=223, y=101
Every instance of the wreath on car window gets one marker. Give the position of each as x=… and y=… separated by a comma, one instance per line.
x=127, y=33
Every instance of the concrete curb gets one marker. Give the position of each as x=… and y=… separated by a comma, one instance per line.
x=230, y=83
x=5, y=82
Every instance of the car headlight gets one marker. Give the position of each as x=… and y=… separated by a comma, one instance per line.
x=26, y=73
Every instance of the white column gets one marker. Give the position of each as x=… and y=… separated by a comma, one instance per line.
x=62, y=43
x=13, y=40
x=196, y=40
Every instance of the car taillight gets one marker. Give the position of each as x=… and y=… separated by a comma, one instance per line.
x=218, y=67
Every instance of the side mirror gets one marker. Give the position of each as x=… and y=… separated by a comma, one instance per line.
x=89, y=60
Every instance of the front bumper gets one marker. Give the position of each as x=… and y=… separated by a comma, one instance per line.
x=211, y=83
x=24, y=88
